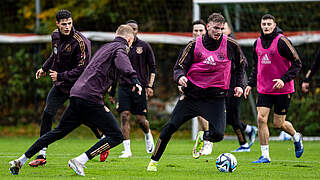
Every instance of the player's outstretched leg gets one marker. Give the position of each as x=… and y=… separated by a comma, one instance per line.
x=298, y=146
x=198, y=146
x=76, y=166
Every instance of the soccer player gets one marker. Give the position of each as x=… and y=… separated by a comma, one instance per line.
x=87, y=102
x=313, y=69
x=275, y=65
x=143, y=62
x=70, y=55
x=233, y=107
x=204, y=72
x=199, y=29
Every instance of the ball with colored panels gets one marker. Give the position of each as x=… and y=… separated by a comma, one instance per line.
x=226, y=162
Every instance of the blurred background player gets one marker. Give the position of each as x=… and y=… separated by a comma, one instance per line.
x=87, y=102
x=204, y=93
x=71, y=54
x=275, y=65
x=143, y=62
x=233, y=106
x=313, y=69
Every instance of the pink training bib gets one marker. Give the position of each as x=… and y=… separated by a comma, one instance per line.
x=272, y=66
x=210, y=68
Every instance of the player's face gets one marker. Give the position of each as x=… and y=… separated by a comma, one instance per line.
x=226, y=29
x=135, y=28
x=198, y=30
x=65, y=26
x=215, y=29
x=267, y=26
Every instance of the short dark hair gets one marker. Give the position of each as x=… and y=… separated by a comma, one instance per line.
x=63, y=14
x=200, y=21
x=132, y=21
x=268, y=16
x=216, y=17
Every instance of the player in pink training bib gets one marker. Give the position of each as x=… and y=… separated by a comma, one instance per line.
x=275, y=65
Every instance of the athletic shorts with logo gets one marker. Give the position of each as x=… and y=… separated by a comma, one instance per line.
x=280, y=102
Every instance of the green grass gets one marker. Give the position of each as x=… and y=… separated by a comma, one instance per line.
x=176, y=162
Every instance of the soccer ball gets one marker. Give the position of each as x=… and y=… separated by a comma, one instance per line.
x=226, y=162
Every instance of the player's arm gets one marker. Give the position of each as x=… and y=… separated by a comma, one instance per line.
x=47, y=65
x=112, y=91
x=123, y=64
x=82, y=55
x=151, y=62
x=314, y=68
x=183, y=64
x=252, y=80
x=287, y=51
x=235, y=55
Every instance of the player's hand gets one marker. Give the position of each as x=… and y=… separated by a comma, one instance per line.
x=149, y=92
x=40, y=73
x=238, y=91
x=279, y=84
x=139, y=88
x=305, y=87
x=247, y=91
x=112, y=99
x=53, y=75
x=180, y=89
x=183, y=81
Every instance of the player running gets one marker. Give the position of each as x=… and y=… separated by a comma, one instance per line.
x=204, y=72
x=275, y=65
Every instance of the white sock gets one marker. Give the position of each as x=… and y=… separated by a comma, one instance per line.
x=296, y=137
x=23, y=159
x=102, y=137
x=201, y=137
x=246, y=145
x=248, y=129
x=265, y=151
x=43, y=152
x=83, y=158
x=148, y=135
x=126, y=145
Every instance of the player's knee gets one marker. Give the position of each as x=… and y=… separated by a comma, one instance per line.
x=278, y=125
x=125, y=116
x=118, y=138
x=262, y=119
x=167, y=131
x=214, y=137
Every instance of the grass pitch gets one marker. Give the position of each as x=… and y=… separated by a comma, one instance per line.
x=176, y=162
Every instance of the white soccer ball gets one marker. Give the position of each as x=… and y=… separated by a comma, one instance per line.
x=226, y=162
